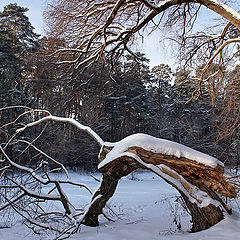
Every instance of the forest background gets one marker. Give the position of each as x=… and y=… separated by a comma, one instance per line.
x=116, y=102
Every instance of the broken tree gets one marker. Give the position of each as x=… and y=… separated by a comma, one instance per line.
x=198, y=177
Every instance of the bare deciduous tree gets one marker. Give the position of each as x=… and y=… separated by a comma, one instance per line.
x=101, y=29
x=106, y=29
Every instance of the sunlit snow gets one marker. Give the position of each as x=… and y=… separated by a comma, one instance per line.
x=157, y=145
x=145, y=208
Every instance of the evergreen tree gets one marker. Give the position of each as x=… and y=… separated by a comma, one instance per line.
x=161, y=95
x=194, y=118
x=184, y=85
x=128, y=107
x=17, y=41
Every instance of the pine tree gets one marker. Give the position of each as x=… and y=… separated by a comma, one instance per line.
x=161, y=95
x=128, y=106
x=17, y=41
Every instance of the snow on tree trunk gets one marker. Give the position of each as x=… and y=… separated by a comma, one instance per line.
x=205, y=217
x=200, y=182
x=198, y=177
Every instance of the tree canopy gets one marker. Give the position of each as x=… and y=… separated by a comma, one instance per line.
x=18, y=41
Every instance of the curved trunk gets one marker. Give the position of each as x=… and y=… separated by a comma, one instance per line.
x=208, y=180
x=215, y=5
x=99, y=199
x=205, y=217
x=223, y=10
x=110, y=178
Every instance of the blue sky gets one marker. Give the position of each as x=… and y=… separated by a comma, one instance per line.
x=157, y=51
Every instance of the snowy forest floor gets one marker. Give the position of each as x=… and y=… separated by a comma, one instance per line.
x=145, y=208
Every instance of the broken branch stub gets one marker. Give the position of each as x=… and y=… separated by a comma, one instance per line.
x=200, y=175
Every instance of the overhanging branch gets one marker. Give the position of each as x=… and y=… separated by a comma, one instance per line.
x=71, y=121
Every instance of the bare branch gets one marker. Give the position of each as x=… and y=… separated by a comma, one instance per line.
x=71, y=121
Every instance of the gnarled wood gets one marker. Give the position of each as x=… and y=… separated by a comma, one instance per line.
x=206, y=178
x=203, y=218
x=195, y=181
x=202, y=176
x=111, y=176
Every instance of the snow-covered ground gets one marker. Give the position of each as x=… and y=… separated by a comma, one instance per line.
x=146, y=208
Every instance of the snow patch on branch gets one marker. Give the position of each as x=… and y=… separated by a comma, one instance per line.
x=161, y=146
x=72, y=121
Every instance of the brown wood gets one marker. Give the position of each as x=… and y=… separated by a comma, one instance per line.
x=207, y=179
x=203, y=218
x=111, y=175
x=200, y=175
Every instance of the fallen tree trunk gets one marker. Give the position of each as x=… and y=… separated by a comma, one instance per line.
x=200, y=185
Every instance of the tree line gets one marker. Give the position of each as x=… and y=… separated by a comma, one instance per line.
x=114, y=100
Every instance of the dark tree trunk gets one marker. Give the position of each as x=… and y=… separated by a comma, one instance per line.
x=207, y=179
x=205, y=217
x=111, y=176
x=100, y=198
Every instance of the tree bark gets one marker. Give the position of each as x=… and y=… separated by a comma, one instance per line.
x=205, y=178
x=100, y=198
x=203, y=218
x=111, y=175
